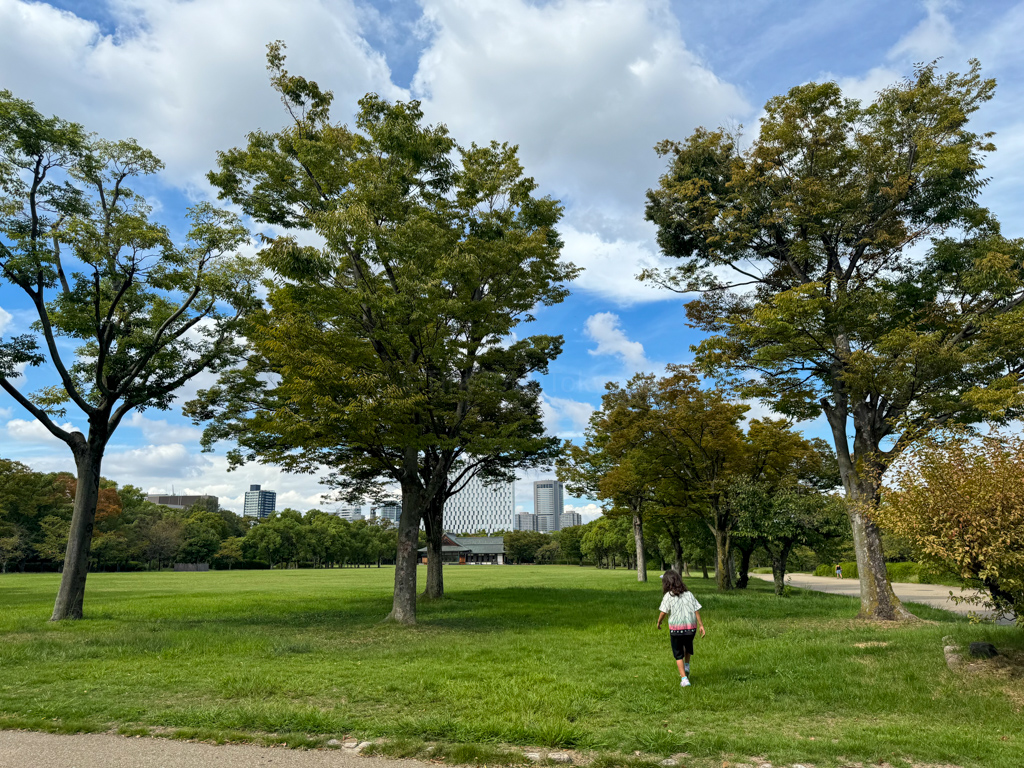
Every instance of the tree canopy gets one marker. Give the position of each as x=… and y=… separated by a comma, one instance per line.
x=145, y=315
x=388, y=351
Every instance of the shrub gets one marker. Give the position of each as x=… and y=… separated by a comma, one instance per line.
x=825, y=570
x=961, y=502
x=903, y=572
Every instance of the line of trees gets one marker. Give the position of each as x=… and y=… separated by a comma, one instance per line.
x=131, y=533
x=673, y=454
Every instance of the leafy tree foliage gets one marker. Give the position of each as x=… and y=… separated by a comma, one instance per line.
x=146, y=315
x=779, y=519
x=960, y=500
x=391, y=346
x=803, y=251
x=522, y=546
x=570, y=543
x=616, y=463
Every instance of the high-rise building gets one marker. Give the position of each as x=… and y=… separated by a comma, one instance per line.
x=547, y=504
x=390, y=512
x=569, y=519
x=259, y=504
x=525, y=522
x=481, y=506
x=350, y=513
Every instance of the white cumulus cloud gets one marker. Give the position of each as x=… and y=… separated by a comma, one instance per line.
x=604, y=328
x=31, y=431
x=184, y=78
x=565, y=417
x=160, y=432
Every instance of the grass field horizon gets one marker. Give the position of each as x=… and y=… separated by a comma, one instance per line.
x=554, y=656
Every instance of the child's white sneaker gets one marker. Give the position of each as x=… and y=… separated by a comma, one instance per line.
x=684, y=682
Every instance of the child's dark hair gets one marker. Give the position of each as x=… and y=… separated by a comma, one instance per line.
x=672, y=582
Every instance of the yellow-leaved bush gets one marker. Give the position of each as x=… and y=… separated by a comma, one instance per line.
x=960, y=499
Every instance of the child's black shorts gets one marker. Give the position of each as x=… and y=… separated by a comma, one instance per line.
x=682, y=642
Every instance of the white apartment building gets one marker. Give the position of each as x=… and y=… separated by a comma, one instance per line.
x=350, y=513
x=259, y=504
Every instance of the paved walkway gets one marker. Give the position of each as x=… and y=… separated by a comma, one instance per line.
x=25, y=749
x=935, y=595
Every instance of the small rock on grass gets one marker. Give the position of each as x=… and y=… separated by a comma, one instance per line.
x=333, y=743
x=559, y=757
x=534, y=756
x=669, y=761
x=363, y=745
x=983, y=650
x=350, y=743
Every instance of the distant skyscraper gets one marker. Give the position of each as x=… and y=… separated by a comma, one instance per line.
x=525, y=522
x=350, y=513
x=480, y=506
x=259, y=504
x=547, y=504
x=390, y=512
x=569, y=519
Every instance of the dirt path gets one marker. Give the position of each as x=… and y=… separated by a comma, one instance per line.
x=25, y=749
x=935, y=595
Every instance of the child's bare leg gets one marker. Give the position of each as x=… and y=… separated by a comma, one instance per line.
x=682, y=669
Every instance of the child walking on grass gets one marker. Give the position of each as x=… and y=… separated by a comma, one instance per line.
x=683, y=612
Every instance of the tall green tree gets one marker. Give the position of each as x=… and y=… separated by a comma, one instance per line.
x=781, y=518
x=145, y=315
x=391, y=344
x=700, y=451
x=805, y=251
x=616, y=462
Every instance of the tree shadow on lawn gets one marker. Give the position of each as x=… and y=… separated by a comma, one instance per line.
x=484, y=609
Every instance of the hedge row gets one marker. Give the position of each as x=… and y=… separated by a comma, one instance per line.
x=898, y=572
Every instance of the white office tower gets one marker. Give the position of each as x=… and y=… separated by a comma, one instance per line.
x=259, y=504
x=481, y=506
x=392, y=512
x=526, y=521
x=350, y=513
x=547, y=504
x=569, y=519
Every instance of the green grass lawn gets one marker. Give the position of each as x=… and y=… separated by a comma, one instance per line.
x=522, y=655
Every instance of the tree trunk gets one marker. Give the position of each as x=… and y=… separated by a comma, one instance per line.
x=877, y=600
x=723, y=578
x=779, y=568
x=71, y=595
x=677, y=550
x=638, y=537
x=744, y=576
x=403, y=608
x=433, y=521
x=704, y=569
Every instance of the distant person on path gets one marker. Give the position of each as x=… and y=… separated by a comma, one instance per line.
x=839, y=571
x=683, y=613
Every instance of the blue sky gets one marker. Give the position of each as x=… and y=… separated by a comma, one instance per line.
x=585, y=87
